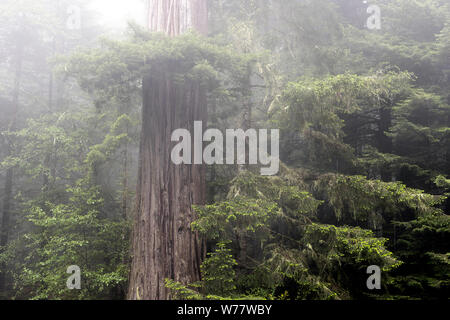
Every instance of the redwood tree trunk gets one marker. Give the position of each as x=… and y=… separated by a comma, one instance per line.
x=163, y=244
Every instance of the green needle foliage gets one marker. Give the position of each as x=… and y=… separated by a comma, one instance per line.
x=364, y=121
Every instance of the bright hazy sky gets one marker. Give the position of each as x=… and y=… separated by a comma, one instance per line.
x=116, y=13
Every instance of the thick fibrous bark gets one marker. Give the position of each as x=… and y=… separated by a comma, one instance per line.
x=163, y=244
x=175, y=17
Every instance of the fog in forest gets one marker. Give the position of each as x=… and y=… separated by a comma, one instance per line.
x=224, y=149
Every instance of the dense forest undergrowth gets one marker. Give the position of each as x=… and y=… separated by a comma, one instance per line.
x=364, y=120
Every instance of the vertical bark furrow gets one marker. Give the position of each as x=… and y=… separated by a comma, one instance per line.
x=163, y=244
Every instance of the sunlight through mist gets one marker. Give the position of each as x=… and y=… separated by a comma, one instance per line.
x=116, y=13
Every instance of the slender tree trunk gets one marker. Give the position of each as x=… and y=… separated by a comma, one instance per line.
x=125, y=183
x=385, y=144
x=50, y=159
x=385, y=123
x=163, y=244
x=247, y=124
x=124, y=110
x=4, y=232
x=5, y=225
x=49, y=155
